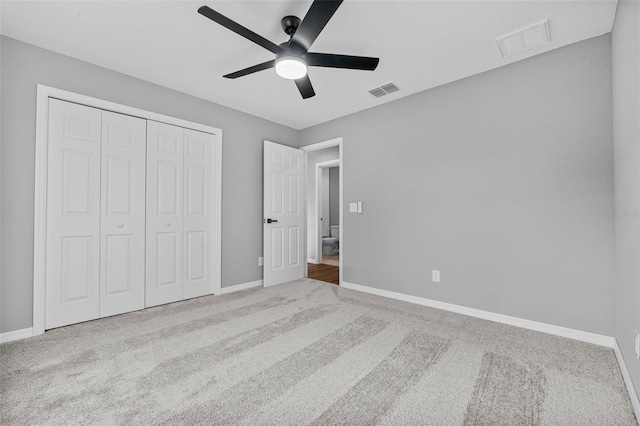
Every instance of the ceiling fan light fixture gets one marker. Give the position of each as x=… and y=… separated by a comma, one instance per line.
x=293, y=57
x=291, y=67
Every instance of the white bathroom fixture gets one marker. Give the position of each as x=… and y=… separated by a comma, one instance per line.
x=331, y=245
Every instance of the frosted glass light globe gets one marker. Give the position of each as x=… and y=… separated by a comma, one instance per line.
x=291, y=67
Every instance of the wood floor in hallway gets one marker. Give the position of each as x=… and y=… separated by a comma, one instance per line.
x=326, y=273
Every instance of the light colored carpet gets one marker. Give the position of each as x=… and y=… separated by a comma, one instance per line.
x=307, y=352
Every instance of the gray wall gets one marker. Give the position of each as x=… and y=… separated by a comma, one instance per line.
x=500, y=180
x=626, y=136
x=505, y=191
x=313, y=158
x=334, y=195
x=22, y=67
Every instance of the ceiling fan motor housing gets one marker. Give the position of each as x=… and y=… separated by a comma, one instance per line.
x=290, y=50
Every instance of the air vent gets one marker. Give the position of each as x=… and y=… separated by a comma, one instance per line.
x=390, y=88
x=524, y=39
x=384, y=90
x=377, y=92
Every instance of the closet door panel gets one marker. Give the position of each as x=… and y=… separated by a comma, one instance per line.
x=165, y=186
x=199, y=151
x=122, y=236
x=73, y=214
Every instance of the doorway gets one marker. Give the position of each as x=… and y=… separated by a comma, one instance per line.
x=325, y=245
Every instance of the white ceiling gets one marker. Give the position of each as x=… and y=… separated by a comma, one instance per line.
x=422, y=44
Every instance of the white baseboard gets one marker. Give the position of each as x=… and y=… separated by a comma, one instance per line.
x=314, y=261
x=633, y=395
x=570, y=333
x=239, y=287
x=11, y=336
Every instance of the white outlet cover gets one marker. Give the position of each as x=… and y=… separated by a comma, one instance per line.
x=353, y=207
x=261, y=261
x=435, y=276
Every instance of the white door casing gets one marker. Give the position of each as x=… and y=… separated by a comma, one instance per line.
x=284, y=240
x=73, y=214
x=164, y=213
x=122, y=235
x=198, y=220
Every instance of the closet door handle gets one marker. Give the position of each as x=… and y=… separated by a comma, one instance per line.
x=119, y=225
x=168, y=223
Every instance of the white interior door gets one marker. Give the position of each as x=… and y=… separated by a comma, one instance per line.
x=73, y=214
x=164, y=213
x=122, y=225
x=198, y=219
x=284, y=214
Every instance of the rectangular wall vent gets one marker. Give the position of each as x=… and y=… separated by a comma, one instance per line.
x=384, y=90
x=524, y=39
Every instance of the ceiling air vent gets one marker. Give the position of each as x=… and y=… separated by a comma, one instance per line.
x=377, y=92
x=524, y=39
x=390, y=88
x=384, y=90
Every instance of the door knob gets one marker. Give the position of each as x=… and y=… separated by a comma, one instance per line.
x=271, y=221
x=120, y=225
x=168, y=223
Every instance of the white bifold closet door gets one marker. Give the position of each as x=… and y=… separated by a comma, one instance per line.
x=131, y=214
x=122, y=223
x=180, y=181
x=197, y=225
x=164, y=213
x=73, y=214
x=95, y=214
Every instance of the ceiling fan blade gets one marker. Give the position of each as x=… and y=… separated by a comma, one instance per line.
x=239, y=29
x=341, y=61
x=314, y=21
x=251, y=70
x=305, y=87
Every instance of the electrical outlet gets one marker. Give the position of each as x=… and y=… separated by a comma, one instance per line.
x=637, y=345
x=435, y=276
x=260, y=261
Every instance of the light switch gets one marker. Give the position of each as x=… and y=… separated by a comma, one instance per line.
x=353, y=207
x=360, y=207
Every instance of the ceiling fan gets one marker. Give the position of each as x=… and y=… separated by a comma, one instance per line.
x=293, y=57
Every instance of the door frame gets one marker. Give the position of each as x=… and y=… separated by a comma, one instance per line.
x=318, y=194
x=44, y=93
x=316, y=147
